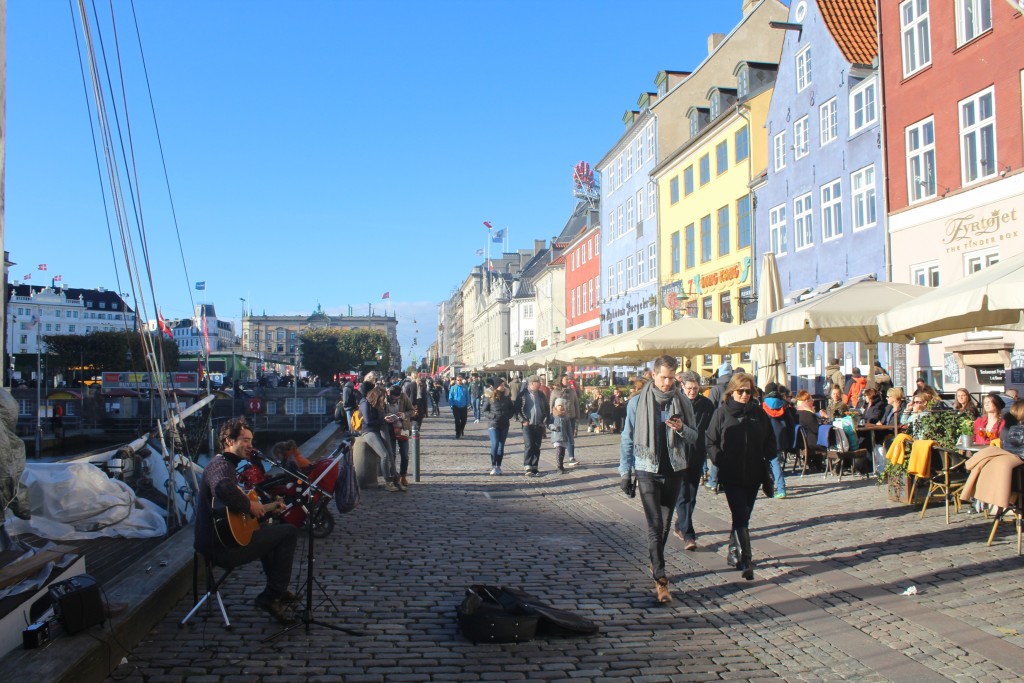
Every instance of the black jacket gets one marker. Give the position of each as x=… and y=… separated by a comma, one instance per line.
x=502, y=410
x=740, y=441
x=519, y=406
x=697, y=453
x=873, y=412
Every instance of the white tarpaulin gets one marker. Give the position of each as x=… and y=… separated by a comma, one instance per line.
x=77, y=501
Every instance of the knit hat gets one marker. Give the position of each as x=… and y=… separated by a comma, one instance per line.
x=771, y=388
x=724, y=369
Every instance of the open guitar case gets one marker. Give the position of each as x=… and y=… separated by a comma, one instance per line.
x=498, y=614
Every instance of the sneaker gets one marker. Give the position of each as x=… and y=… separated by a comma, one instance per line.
x=390, y=486
x=476, y=422
x=661, y=591
x=403, y=482
x=571, y=463
x=276, y=608
x=497, y=471
x=780, y=494
x=679, y=534
x=529, y=473
x=691, y=544
x=493, y=471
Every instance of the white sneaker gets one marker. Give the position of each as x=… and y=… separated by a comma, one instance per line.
x=497, y=470
x=494, y=470
x=571, y=463
x=476, y=422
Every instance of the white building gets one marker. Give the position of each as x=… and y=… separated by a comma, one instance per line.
x=33, y=312
x=188, y=332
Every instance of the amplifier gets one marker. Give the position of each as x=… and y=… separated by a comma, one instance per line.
x=77, y=603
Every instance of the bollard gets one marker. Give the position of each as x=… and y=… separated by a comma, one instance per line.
x=415, y=451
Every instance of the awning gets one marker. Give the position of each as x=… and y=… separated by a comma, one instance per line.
x=122, y=393
x=63, y=395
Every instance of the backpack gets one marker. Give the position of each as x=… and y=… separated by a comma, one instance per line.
x=356, y=423
x=352, y=400
x=346, y=492
x=339, y=412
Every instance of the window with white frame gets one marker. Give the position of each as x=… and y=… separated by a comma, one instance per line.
x=629, y=161
x=629, y=214
x=528, y=311
x=829, y=120
x=618, y=221
x=863, y=105
x=649, y=134
x=293, y=406
x=801, y=140
x=925, y=274
x=316, y=405
x=803, y=215
x=590, y=294
x=831, y=210
x=921, y=160
x=652, y=260
x=916, y=36
x=651, y=199
x=979, y=260
x=865, y=210
x=639, y=144
x=743, y=82
x=978, y=136
x=639, y=205
x=611, y=280
x=705, y=239
x=777, y=229
x=973, y=17
x=803, y=68
x=641, y=268
x=620, y=283
x=630, y=273
x=780, y=151
x=611, y=225
x=572, y=304
x=618, y=171
x=835, y=350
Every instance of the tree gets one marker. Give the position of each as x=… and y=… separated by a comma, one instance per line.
x=107, y=351
x=324, y=354
x=528, y=345
x=364, y=344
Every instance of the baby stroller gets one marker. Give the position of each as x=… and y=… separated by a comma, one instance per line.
x=291, y=487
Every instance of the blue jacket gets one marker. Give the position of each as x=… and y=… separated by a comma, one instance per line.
x=458, y=396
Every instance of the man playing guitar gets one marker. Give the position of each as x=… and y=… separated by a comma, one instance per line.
x=273, y=544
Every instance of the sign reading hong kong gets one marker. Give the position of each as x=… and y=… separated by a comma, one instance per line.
x=971, y=231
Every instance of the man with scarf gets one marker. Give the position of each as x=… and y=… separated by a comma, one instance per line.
x=659, y=425
x=782, y=418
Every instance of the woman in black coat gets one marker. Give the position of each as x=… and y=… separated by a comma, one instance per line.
x=740, y=442
x=502, y=410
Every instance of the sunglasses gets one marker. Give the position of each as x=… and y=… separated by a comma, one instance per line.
x=747, y=392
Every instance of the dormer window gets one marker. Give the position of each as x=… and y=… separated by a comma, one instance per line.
x=716, y=107
x=743, y=81
x=694, y=123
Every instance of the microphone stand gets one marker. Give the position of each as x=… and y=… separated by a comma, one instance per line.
x=312, y=490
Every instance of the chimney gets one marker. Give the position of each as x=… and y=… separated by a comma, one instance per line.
x=748, y=6
x=714, y=40
x=538, y=246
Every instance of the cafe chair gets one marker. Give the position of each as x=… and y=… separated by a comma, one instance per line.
x=805, y=451
x=213, y=584
x=840, y=453
x=947, y=476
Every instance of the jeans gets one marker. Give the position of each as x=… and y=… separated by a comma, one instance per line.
x=476, y=409
x=380, y=443
x=741, y=504
x=780, y=477
x=461, y=415
x=659, y=494
x=274, y=546
x=498, y=436
x=532, y=436
x=348, y=416
x=686, y=503
x=401, y=447
x=712, y=481
x=595, y=420
x=569, y=438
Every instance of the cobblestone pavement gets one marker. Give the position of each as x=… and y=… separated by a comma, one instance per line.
x=832, y=562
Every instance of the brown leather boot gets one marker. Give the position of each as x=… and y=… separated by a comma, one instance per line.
x=403, y=482
x=661, y=591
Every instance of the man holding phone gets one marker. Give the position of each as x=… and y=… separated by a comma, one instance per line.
x=660, y=423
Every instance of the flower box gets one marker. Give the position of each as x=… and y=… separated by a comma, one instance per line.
x=898, y=489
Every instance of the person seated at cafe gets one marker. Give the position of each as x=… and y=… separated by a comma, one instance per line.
x=991, y=422
x=836, y=407
x=858, y=383
x=965, y=405
x=896, y=405
x=593, y=416
x=1012, y=418
x=607, y=413
x=873, y=406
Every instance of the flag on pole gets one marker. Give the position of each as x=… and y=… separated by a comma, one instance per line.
x=488, y=224
x=498, y=236
x=200, y=286
x=42, y=266
x=479, y=252
x=28, y=276
x=162, y=324
x=387, y=295
x=58, y=278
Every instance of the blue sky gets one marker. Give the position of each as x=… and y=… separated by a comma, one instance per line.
x=327, y=152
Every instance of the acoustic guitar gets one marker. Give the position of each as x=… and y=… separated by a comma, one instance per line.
x=236, y=528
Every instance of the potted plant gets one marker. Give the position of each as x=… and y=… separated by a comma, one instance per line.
x=944, y=427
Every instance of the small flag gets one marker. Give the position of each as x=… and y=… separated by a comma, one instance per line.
x=201, y=285
x=28, y=276
x=479, y=252
x=58, y=278
x=488, y=224
x=387, y=295
x=498, y=235
x=42, y=266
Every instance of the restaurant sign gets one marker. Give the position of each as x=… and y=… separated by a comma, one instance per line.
x=629, y=308
x=991, y=374
x=723, y=277
x=141, y=380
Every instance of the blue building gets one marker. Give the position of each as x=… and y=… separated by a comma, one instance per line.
x=820, y=205
x=629, y=204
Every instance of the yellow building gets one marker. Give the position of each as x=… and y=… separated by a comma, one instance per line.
x=705, y=217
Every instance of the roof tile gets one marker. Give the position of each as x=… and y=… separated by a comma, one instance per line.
x=854, y=27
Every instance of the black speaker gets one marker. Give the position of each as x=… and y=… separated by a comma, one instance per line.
x=77, y=603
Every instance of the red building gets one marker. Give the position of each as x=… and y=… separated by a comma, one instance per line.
x=582, y=285
x=952, y=74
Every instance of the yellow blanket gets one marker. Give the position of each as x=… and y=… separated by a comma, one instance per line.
x=921, y=458
x=896, y=449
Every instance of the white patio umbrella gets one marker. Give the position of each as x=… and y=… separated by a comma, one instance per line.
x=990, y=298
x=606, y=348
x=683, y=337
x=847, y=313
x=768, y=359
